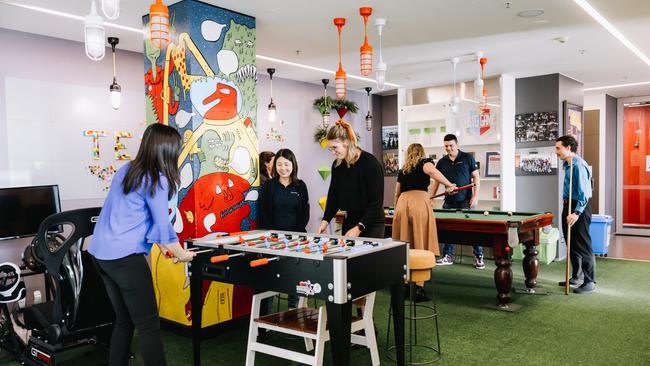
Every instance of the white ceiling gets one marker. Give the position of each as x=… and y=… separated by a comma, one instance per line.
x=418, y=34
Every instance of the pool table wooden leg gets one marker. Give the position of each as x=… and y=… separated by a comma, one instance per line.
x=503, y=280
x=531, y=265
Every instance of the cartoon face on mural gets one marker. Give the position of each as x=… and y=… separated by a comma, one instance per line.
x=204, y=84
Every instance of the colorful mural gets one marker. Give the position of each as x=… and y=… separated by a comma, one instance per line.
x=204, y=84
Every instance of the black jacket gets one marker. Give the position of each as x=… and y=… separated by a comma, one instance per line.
x=266, y=199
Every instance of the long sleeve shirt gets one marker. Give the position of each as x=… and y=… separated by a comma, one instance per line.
x=358, y=190
x=581, y=191
x=131, y=223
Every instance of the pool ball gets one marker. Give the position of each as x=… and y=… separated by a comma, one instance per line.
x=467, y=216
x=509, y=213
x=486, y=213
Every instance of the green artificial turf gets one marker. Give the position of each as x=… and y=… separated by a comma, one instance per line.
x=609, y=327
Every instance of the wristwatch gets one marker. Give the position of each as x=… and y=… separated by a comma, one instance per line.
x=361, y=226
x=577, y=213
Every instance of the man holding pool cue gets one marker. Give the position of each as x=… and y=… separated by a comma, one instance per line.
x=576, y=217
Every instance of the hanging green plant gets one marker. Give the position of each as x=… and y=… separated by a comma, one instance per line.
x=324, y=104
x=345, y=103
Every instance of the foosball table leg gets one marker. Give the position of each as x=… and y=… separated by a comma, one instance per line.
x=397, y=303
x=339, y=317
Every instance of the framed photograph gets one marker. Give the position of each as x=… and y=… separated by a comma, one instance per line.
x=573, y=123
x=391, y=162
x=540, y=161
x=540, y=126
x=389, y=137
x=492, y=164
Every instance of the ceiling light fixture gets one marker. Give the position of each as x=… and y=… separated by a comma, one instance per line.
x=617, y=86
x=94, y=34
x=115, y=89
x=454, y=103
x=369, y=115
x=159, y=24
x=319, y=69
x=271, y=109
x=530, y=13
x=67, y=15
x=478, y=83
x=339, y=80
x=365, y=50
x=380, y=70
x=326, y=113
x=111, y=9
x=611, y=29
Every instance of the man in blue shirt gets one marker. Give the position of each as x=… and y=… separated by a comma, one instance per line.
x=461, y=169
x=576, y=215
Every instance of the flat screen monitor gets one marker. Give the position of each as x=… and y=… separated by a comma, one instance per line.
x=22, y=209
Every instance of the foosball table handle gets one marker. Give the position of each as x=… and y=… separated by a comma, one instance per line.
x=262, y=261
x=219, y=258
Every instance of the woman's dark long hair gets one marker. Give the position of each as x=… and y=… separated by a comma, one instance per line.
x=289, y=155
x=265, y=157
x=158, y=154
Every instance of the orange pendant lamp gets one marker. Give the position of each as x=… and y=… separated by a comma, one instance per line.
x=366, y=50
x=484, y=109
x=340, y=77
x=159, y=24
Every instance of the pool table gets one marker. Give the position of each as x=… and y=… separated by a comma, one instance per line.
x=501, y=231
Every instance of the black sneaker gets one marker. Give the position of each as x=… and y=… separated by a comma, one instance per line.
x=586, y=288
x=573, y=283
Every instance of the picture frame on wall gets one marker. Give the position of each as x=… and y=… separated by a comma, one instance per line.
x=573, y=123
x=537, y=161
x=534, y=127
x=391, y=162
x=492, y=164
x=389, y=137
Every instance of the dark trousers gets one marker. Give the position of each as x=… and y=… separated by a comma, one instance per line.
x=448, y=249
x=581, y=255
x=130, y=288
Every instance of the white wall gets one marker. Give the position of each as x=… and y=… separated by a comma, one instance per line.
x=50, y=85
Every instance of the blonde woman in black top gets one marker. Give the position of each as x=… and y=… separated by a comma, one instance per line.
x=356, y=187
x=413, y=220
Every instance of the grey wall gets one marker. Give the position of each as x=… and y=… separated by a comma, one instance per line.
x=610, y=157
x=389, y=113
x=537, y=94
x=540, y=94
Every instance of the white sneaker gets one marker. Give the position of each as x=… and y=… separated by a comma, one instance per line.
x=479, y=263
x=446, y=260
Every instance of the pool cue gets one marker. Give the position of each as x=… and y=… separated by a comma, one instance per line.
x=568, y=240
x=454, y=191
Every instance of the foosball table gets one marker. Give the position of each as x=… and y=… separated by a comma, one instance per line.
x=332, y=268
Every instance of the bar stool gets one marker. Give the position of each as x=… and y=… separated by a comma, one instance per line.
x=421, y=262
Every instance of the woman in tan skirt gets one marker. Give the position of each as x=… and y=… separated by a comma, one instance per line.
x=413, y=220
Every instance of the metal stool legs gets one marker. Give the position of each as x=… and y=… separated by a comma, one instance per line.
x=430, y=312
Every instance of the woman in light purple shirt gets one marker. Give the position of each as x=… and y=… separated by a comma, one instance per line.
x=134, y=217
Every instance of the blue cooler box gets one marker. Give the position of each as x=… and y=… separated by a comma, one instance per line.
x=600, y=231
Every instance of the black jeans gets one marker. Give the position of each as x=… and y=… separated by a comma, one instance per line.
x=130, y=288
x=581, y=255
x=448, y=249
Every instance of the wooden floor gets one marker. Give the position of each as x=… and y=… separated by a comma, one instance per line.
x=629, y=247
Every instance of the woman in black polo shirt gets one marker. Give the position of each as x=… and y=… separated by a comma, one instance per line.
x=284, y=203
x=356, y=187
